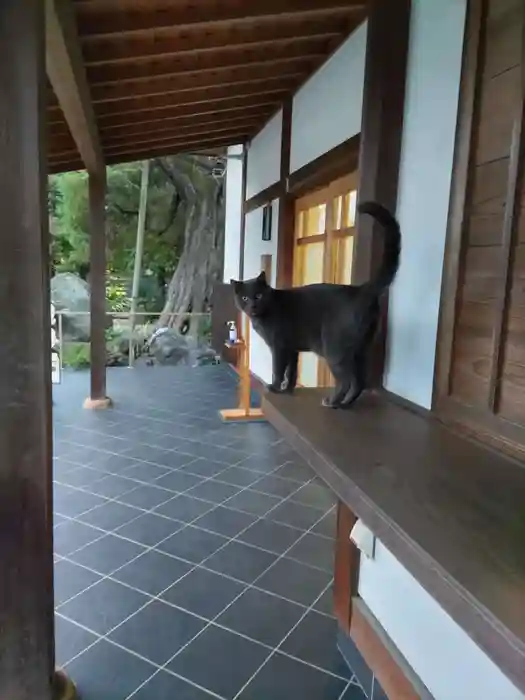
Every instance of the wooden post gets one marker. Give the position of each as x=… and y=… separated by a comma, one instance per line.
x=244, y=412
x=26, y=513
x=97, y=275
x=380, y=143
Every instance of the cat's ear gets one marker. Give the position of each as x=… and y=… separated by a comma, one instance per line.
x=262, y=277
x=235, y=284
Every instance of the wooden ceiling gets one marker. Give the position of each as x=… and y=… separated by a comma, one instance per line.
x=132, y=79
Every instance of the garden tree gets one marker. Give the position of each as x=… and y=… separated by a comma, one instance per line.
x=202, y=248
x=177, y=187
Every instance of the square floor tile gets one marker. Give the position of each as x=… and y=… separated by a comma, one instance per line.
x=72, y=502
x=271, y=536
x=355, y=692
x=239, y=476
x=179, y=481
x=203, y=593
x=70, y=535
x=314, y=550
x=216, y=453
x=325, y=604
x=275, y=486
x=294, y=581
x=213, y=491
x=219, y=661
x=315, y=495
x=164, y=686
x=328, y=525
x=225, y=521
x=148, y=473
x=314, y=640
x=112, y=486
x=240, y=561
x=253, y=502
x=157, y=632
x=71, y=579
x=184, y=508
x=262, y=617
x=115, y=464
x=263, y=463
x=283, y=678
x=70, y=640
x=295, y=472
x=193, y=544
x=152, y=572
x=146, y=497
x=80, y=477
x=107, y=672
x=146, y=453
x=204, y=467
x=107, y=554
x=103, y=606
x=110, y=516
x=296, y=515
x=149, y=529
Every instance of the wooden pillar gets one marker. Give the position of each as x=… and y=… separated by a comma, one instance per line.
x=381, y=134
x=26, y=518
x=97, y=274
x=286, y=204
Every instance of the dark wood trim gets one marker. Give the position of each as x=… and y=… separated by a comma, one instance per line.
x=97, y=278
x=263, y=197
x=510, y=222
x=242, y=238
x=468, y=99
x=411, y=481
x=346, y=567
x=26, y=506
x=380, y=143
x=285, y=229
x=378, y=654
x=336, y=163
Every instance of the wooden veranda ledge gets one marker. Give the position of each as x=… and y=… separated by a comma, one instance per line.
x=449, y=509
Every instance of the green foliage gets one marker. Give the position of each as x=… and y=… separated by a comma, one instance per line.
x=117, y=295
x=76, y=355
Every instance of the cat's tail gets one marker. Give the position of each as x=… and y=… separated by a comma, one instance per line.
x=392, y=247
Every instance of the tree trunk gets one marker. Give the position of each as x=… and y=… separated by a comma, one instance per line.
x=201, y=261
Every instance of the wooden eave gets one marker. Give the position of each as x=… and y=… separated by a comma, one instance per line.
x=156, y=77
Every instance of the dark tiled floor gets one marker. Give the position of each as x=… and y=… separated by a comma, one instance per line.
x=193, y=558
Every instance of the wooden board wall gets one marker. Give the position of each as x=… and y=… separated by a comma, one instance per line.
x=482, y=371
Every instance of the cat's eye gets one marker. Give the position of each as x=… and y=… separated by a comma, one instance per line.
x=258, y=296
x=245, y=298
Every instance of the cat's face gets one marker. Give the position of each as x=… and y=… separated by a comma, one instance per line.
x=252, y=296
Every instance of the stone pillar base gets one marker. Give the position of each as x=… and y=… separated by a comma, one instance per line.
x=98, y=404
x=63, y=687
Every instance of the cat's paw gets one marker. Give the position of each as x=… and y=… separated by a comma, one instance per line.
x=328, y=402
x=274, y=388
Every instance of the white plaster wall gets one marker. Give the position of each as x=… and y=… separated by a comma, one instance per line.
x=232, y=214
x=448, y=662
x=260, y=355
x=434, y=68
x=264, y=157
x=327, y=109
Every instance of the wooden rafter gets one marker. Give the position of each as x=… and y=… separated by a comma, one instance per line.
x=66, y=73
x=100, y=19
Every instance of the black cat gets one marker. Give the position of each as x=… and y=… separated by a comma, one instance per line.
x=337, y=322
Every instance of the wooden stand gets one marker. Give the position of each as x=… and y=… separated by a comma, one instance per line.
x=244, y=412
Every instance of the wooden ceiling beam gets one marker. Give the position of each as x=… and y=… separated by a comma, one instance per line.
x=208, y=63
x=100, y=51
x=170, y=150
x=211, y=108
x=135, y=126
x=273, y=92
x=66, y=73
x=190, y=83
x=232, y=136
x=99, y=18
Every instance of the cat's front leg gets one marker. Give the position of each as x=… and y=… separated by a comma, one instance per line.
x=279, y=365
x=290, y=381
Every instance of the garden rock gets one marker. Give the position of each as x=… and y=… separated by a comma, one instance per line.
x=70, y=295
x=169, y=347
